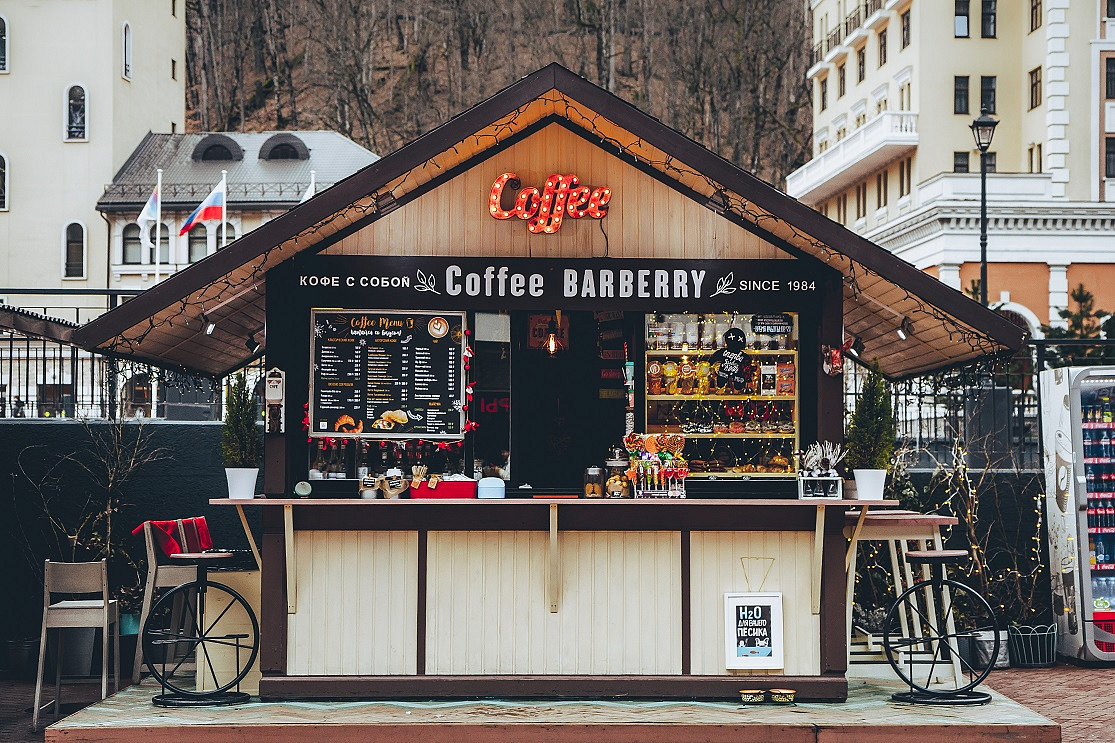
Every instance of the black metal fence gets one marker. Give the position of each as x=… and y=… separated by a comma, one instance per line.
x=991, y=407
x=49, y=379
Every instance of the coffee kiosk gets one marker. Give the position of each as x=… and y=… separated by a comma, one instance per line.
x=548, y=277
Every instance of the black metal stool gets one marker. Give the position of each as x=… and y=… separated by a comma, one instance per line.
x=161, y=639
x=954, y=614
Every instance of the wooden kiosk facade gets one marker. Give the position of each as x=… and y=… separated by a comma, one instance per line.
x=548, y=597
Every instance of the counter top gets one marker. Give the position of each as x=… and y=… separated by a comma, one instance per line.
x=571, y=502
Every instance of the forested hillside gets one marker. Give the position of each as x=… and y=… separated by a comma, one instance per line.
x=729, y=73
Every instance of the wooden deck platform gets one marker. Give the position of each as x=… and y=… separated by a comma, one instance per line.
x=867, y=716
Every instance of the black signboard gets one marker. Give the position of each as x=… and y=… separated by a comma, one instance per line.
x=386, y=374
x=665, y=285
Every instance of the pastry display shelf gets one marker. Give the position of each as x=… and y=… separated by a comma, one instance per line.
x=742, y=397
x=738, y=475
x=744, y=435
x=698, y=353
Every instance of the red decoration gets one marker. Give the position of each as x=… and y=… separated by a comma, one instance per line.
x=543, y=212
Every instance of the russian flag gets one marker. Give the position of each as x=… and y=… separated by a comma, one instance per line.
x=212, y=209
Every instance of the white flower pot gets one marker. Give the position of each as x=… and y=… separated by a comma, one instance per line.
x=869, y=484
x=241, y=482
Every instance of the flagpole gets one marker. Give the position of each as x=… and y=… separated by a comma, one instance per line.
x=158, y=218
x=224, y=208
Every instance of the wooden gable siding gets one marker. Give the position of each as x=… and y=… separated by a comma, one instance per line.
x=646, y=218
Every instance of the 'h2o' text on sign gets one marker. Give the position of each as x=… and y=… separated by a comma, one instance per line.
x=562, y=196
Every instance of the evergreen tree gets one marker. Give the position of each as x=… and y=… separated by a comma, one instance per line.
x=1082, y=321
x=870, y=440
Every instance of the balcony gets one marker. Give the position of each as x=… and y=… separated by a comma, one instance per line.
x=880, y=140
x=1001, y=187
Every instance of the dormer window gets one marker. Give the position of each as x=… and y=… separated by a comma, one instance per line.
x=217, y=148
x=76, y=114
x=284, y=146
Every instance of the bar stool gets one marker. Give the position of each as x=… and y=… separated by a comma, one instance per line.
x=896, y=528
x=159, y=575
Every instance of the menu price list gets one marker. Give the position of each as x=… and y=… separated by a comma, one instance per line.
x=387, y=374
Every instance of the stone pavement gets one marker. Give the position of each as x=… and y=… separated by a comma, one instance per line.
x=1078, y=698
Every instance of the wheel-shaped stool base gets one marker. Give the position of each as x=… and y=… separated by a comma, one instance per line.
x=952, y=697
x=224, y=699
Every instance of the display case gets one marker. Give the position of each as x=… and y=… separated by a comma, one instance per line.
x=729, y=382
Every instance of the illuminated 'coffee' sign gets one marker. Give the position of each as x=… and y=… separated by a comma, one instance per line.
x=562, y=196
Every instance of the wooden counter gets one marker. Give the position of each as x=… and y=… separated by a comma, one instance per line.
x=550, y=597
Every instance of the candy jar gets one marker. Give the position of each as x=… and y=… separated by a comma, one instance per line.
x=617, y=484
x=594, y=482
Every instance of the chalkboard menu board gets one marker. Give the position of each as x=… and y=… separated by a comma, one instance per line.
x=387, y=375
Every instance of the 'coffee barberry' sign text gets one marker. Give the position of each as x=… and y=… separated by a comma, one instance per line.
x=563, y=195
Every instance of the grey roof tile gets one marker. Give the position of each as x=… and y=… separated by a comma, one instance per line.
x=251, y=181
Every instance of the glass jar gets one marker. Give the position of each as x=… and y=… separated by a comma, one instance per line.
x=594, y=482
x=617, y=484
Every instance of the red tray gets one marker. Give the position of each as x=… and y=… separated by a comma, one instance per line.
x=446, y=489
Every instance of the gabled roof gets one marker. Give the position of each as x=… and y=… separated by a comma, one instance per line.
x=36, y=325
x=162, y=325
x=252, y=180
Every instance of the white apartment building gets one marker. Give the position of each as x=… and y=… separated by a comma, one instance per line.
x=896, y=85
x=81, y=83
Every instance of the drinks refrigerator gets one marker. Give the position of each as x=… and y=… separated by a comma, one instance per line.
x=1078, y=437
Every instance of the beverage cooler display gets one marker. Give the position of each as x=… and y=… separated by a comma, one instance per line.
x=1078, y=430
x=729, y=383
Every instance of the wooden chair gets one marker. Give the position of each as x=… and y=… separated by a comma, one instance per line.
x=159, y=575
x=77, y=578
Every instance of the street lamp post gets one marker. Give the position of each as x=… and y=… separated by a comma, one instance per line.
x=983, y=129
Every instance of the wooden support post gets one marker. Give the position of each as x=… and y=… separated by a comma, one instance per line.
x=288, y=550
x=855, y=537
x=553, y=579
x=818, y=551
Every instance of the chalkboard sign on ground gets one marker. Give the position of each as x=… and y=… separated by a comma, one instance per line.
x=387, y=374
x=753, y=635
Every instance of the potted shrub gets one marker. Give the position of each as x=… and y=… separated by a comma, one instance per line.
x=870, y=440
x=241, y=447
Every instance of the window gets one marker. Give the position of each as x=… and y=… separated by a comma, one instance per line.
x=197, y=242
x=126, y=51
x=3, y=44
x=961, y=162
x=824, y=94
x=283, y=152
x=220, y=152
x=3, y=183
x=987, y=19
x=1034, y=156
x=905, y=35
x=163, y=242
x=960, y=19
x=174, y=8
x=987, y=93
x=990, y=157
x=861, y=64
x=1109, y=157
x=841, y=86
x=225, y=235
x=882, y=47
x=1035, y=87
x=75, y=251
x=905, y=176
x=1035, y=15
x=1109, y=75
x=905, y=97
x=76, y=113
x=881, y=188
x=1110, y=9
x=960, y=94
x=842, y=208
x=174, y=69
x=824, y=209
x=133, y=248
x=861, y=200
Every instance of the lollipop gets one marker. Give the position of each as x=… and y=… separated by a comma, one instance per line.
x=651, y=444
